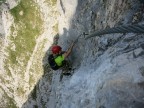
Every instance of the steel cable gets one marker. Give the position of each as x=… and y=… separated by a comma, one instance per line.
x=121, y=29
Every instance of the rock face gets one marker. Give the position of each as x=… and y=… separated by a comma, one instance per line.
x=24, y=39
x=109, y=69
x=4, y=98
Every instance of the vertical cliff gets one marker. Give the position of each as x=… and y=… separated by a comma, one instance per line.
x=26, y=32
x=108, y=69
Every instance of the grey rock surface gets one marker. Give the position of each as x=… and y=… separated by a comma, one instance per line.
x=108, y=70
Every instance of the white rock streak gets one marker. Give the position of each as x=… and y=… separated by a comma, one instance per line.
x=48, y=34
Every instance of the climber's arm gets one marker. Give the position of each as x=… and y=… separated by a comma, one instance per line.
x=67, y=53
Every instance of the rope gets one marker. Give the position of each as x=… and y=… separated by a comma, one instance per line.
x=121, y=29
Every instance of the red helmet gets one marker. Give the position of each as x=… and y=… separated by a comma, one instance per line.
x=56, y=49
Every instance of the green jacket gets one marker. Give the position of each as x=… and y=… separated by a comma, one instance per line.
x=59, y=60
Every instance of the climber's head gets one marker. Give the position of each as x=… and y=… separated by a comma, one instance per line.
x=56, y=49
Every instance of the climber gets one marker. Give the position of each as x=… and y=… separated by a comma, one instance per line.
x=57, y=59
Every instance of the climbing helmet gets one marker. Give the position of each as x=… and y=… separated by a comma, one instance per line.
x=56, y=49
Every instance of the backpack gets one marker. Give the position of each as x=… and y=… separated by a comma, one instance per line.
x=52, y=62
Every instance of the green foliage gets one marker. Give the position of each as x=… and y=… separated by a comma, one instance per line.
x=10, y=101
x=31, y=80
x=20, y=91
x=24, y=32
x=51, y=2
x=2, y=1
x=28, y=26
x=55, y=27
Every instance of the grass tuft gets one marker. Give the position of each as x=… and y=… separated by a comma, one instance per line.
x=28, y=25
